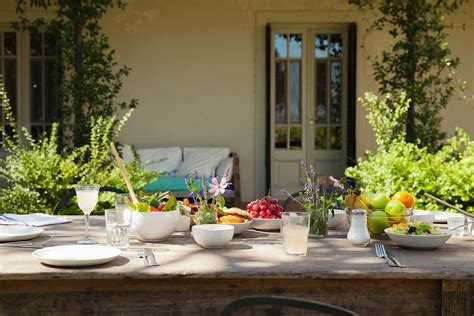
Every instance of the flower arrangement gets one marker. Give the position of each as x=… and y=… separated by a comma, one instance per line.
x=319, y=197
x=208, y=196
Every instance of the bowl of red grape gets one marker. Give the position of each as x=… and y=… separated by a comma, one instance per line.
x=266, y=213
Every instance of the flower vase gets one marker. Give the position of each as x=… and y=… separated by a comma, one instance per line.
x=318, y=222
x=206, y=215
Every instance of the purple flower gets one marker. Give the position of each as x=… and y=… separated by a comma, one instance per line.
x=217, y=188
x=336, y=183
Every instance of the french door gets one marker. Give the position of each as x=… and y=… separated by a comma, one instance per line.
x=308, y=103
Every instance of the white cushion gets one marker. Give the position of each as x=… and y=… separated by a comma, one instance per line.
x=165, y=159
x=226, y=164
x=203, y=160
x=127, y=153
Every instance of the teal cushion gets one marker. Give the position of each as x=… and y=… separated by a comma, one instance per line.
x=168, y=183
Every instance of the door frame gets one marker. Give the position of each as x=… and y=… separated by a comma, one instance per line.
x=350, y=83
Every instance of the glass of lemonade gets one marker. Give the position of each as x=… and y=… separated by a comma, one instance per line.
x=117, y=223
x=295, y=227
x=87, y=196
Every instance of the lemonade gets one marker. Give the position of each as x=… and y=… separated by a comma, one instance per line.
x=296, y=240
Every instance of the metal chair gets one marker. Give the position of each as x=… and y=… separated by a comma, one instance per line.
x=247, y=301
x=70, y=195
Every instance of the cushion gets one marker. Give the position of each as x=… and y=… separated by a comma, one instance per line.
x=224, y=165
x=168, y=183
x=165, y=159
x=202, y=160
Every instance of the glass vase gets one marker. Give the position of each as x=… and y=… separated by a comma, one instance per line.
x=318, y=221
x=206, y=215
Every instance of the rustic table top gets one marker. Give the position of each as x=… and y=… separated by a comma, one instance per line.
x=251, y=254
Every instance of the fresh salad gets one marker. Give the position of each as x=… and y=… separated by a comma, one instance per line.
x=158, y=202
x=416, y=228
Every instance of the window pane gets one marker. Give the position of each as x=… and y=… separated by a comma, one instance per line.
x=295, y=92
x=280, y=92
x=335, y=137
x=295, y=138
x=336, y=92
x=295, y=45
x=36, y=44
x=51, y=91
x=320, y=137
x=36, y=91
x=10, y=82
x=9, y=43
x=37, y=131
x=336, y=45
x=281, y=45
x=281, y=134
x=321, y=92
x=50, y=45
x=321, y=43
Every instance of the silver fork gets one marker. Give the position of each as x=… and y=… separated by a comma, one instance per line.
x=142, y=254
x=151, y=257
x=380, y=252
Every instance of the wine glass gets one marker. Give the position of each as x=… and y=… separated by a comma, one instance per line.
x=87, y=196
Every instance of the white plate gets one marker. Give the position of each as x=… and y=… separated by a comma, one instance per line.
x=18, y=232
x=76, y=255
x=266, y=224
x=439, y=216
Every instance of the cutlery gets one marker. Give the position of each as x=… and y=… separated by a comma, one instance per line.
x=380, y=252
x=25, y=244
x=151, y=257
x=141, y=254
x=395, y=260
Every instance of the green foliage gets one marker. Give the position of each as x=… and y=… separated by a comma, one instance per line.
x=386, y=117
x=447, y=174
x=91, y=79
x=38, y=173
x=419, y=62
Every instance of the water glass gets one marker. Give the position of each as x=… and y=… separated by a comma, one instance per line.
x=455, y=221
x=118, y=223
x=122, y=201
x=295, y=226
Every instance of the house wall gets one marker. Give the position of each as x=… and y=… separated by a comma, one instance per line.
x=198, y=71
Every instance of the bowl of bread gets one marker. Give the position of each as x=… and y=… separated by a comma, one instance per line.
x=236, y=217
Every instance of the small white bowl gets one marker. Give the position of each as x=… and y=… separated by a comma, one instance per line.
x=184, y=223
x=240, y=227
x=213, y=235
x=337, y=220
x=424, y=242
x=154, y=226
x=266, y=224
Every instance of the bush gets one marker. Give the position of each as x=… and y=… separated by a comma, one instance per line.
x=38, y=173
x=447, y=173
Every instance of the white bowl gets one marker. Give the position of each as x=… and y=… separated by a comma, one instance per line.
x=425, y=216
x=213, y=235
x=154, y=226
x=337, y=220
x=184, y=223
x=418, y=241
x=266, y=223
x=240, y=227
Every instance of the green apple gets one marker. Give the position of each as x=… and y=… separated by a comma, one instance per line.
x=379, y=201
x=377, y=221
x=396, y=210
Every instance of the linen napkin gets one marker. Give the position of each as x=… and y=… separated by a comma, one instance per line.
x=35, y=219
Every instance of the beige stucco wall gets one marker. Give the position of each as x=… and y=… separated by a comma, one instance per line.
x=198, y=70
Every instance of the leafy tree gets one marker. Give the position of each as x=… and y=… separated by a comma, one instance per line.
x=419, y=62
x=90, y=78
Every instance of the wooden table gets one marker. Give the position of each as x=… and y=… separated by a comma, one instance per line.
x=192, y=280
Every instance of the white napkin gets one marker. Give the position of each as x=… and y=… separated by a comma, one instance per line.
x=36, y=219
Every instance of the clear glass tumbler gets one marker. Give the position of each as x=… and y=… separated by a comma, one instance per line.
x=118, y=223
x=456, y=221
x=295, y=227
x=122, y=201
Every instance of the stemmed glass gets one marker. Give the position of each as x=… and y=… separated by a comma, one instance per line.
x=87, y=196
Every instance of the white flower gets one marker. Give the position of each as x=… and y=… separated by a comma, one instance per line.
x=217, y=188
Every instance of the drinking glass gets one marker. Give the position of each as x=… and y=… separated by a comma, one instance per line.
x=87, y=196
x=122, y=201
x=295, y=227
x=117, y=223
x=456, y=221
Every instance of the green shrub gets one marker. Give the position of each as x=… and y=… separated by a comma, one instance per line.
x=38, y=173
x=447, y=173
